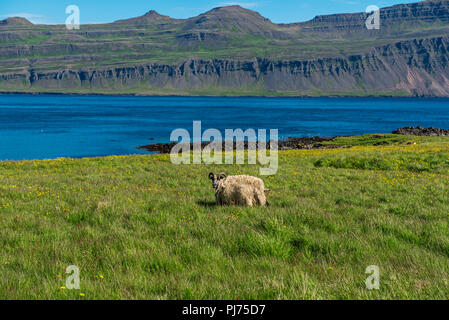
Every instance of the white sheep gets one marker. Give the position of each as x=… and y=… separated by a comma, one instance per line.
x=238, y=190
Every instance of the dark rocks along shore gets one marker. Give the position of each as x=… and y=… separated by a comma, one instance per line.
x=297, y=143
x=420, y=131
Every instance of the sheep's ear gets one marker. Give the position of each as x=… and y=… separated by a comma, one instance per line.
x=222, y=175
x=211, y=176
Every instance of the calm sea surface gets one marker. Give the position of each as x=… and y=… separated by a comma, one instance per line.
x=52, y=126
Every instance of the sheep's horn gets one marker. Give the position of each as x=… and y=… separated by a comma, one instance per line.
x=211, y=175
x=222, y=175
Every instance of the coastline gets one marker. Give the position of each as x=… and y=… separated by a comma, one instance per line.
x=401, y=136
x=231, y=95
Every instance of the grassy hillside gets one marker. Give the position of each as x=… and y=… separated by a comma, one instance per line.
x=139, y=227
x=234, y=51
x=229, y=32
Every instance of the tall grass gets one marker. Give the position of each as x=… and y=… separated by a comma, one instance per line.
x=139, y=227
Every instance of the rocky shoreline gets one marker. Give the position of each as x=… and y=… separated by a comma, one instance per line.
x=300, y=143
x=290, y=143
x=420, y=131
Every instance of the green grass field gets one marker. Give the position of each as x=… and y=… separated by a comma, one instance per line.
x=139, y=227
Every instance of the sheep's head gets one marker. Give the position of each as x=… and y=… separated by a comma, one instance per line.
x=216, y=178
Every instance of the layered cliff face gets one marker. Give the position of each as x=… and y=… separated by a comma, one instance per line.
x=419, y=13
x=409, y=67
x=154, y=54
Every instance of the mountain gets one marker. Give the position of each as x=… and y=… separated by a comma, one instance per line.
x=147, y=18
x=415, y=13
x=234, y=51
x=15, y=21
x=231, y=18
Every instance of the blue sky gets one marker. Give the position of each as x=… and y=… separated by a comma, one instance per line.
x=99, y=11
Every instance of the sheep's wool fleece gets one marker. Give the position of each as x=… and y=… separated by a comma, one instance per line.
x=241, y=190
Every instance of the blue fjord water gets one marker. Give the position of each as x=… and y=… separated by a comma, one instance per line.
x=52, y=126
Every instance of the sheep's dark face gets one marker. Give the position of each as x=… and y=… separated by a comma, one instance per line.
x=216, y=179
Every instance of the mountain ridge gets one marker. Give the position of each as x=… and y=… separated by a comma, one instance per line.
x=150, y=16
x=237, y=51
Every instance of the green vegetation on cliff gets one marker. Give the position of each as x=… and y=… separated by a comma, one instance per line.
x=234, y=50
